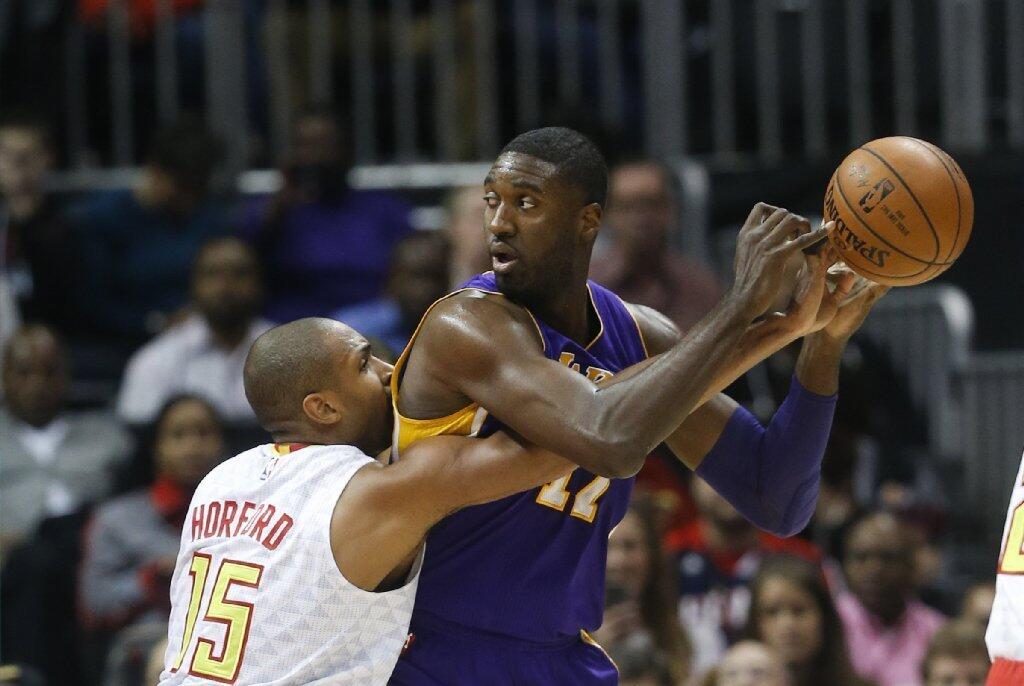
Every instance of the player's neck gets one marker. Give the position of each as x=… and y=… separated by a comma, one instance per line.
x=568, y=310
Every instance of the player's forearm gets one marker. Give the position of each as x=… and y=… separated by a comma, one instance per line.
x=760, y=341
x=772, y=474
x=497, y=467
x=641, y=406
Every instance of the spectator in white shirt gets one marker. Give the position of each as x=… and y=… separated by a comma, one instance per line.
x=205, y=353
x=52, y=462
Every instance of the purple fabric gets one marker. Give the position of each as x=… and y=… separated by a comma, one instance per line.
x=326, y=256
x=771, y=475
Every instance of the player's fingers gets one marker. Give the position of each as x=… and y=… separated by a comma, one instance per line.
x=803, y=240
x=758, y=213
x=844, y=285
x=791, y=226
x=774, y=219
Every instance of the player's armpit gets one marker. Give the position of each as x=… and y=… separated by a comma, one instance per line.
x=384, y=514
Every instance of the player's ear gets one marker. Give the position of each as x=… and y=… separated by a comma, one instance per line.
x=322, y=408
x=590, y=222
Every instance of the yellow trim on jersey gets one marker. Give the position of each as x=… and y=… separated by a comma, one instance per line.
x=589, y=640
x=600, y=320
x=463, y=422
x=640, y=332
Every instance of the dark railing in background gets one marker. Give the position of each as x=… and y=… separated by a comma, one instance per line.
x=447, y=80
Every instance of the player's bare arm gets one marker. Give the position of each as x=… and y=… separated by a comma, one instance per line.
x=384, y=513
x=475, y=348
x=768, y=473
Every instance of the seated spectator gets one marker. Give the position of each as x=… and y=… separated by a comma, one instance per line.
x=469, y=254
x=750, y=663
x=887, y=627
x=419, y=276
x=54, y=461
x=205, y=353
x=791, y=611
x=715, y=558
x=324, y=245
x=640, y=598
x=643, y=666
x=138, y=245
x=977, y=605
x=637, y=263
x=37, y=249
x=132, y=541
x=957, y=656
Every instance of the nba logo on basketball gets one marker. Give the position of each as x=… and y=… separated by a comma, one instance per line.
x=876, y=195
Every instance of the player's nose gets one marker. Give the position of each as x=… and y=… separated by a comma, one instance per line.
x=501, y=223
x=384, y=371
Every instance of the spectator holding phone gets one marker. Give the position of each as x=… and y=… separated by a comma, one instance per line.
x=640, y=600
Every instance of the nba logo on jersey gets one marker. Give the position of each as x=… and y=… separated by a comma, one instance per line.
x=271, y=463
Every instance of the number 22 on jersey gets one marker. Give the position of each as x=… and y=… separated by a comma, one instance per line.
x=235, y=614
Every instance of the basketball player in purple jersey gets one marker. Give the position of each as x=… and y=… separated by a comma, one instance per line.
x=510, y=589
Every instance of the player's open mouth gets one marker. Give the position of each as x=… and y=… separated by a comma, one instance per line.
x=502, y=259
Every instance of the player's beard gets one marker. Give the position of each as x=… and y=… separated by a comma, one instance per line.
x=533, y=283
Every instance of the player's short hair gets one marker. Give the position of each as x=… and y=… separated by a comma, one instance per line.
x=959, y=640
x=284, y=365
x=575, y=156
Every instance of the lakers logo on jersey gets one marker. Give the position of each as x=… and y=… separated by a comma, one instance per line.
x=595, y=374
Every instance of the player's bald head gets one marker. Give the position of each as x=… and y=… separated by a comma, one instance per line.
x=290, y=361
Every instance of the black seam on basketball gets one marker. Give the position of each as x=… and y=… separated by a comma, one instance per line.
x=839, y=187
x=935, y=234
x=956, y=189
x=865, y=270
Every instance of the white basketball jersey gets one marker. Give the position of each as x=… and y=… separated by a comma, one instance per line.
x=256, y=595
x=1005, y=636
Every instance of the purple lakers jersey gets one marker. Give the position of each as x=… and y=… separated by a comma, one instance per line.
x=530, y=566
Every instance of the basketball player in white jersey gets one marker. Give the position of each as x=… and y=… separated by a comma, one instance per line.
x=299, y=560
x=1005, y=636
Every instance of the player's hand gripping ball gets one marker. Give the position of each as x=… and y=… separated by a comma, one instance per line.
x=903, y=210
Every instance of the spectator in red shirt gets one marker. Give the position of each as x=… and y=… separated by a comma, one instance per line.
x=715, y=558
x=133, y=540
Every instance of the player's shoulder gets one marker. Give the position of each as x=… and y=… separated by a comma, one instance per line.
x=473, y=314
x=658, y=331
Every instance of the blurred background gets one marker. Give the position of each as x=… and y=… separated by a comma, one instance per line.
x=178, y=175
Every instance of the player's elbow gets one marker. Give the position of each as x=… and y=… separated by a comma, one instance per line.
x=616, y=460
x=797, y=514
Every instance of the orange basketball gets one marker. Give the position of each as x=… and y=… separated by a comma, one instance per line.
x=903, y=210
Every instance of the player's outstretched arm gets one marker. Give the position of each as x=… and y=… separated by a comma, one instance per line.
x=482, y=348
x=770, y=474
x=385, y=512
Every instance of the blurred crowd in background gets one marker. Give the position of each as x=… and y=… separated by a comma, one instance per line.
x=158, y=291
x=126, y=315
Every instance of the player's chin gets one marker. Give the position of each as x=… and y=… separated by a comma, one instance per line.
x=514, y=283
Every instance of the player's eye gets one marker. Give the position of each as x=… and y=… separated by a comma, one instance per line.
x=492, y=200
x=527, y=203
x=366, y=363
